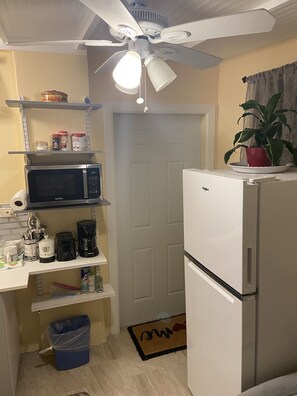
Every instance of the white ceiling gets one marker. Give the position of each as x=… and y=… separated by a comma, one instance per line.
x=37, y=20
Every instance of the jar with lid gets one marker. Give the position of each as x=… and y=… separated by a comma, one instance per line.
x=63, y=144
x=55, y=142
x=79, y=141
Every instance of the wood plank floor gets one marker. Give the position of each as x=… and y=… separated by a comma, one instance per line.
x=115, y=369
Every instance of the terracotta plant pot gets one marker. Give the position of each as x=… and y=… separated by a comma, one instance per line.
x=256, y=156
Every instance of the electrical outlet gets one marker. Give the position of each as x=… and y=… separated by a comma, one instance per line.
x=6, y=212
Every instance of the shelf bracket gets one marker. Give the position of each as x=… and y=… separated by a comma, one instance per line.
x=88, y=127
x=25, y=126
x=39, y=286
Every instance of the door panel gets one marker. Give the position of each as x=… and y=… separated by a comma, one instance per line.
x=151, y=152
x=220, y=216
x=220, y=362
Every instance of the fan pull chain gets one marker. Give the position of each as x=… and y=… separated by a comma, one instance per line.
x=145, y=109
x=140, y=99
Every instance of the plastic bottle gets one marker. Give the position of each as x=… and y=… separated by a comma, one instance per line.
x=98, y=281
x=92, y=281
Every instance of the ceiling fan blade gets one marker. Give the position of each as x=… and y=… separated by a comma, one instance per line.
x=95, y=43
x=116, y=15
x=111, y=62
x=256, y=21
x=187, y=56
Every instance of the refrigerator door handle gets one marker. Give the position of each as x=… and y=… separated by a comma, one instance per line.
x=249, y=269
x=212, y=283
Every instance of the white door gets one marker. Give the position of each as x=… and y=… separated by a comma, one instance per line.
x=220, y=337
x=151, y=150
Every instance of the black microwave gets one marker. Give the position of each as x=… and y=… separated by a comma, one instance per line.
x=63, y=185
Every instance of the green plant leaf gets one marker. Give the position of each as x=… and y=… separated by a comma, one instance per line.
x=236, y=137
x=272, y=105
x=249, y=104
x=275, y=149
x=253, y=104
x=248, y=114
x=274, y=130
x=246, y=134
x=230, y=152
x=292, y=150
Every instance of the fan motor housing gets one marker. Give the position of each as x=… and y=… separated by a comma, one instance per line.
x=151, y=22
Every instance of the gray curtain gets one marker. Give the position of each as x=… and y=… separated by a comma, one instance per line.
x=262, y=86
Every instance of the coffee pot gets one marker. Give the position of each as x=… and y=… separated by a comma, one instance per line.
x=86, y=232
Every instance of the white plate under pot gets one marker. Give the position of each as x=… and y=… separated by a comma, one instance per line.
x=244, y=168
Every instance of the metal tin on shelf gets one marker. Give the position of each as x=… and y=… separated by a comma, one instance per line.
x=63, y=143
x=79, y=141
x=55, y=142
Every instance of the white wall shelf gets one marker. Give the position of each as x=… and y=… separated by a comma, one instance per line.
x=50, y=157
x=31, y=104
x=35, y=267
x=102, y=202
x=44, y=302
x=49, y=152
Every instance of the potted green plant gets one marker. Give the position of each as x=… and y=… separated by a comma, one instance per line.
x=266, y=137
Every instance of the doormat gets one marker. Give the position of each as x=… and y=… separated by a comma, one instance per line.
x=159, y=337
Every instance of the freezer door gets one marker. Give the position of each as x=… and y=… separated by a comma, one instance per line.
x=220, y=337
x=220, y=226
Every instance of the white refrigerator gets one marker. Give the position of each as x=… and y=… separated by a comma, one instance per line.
x=240, y=235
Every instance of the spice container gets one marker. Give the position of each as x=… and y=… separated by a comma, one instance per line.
x=63, y=140
x=55, y=141
x=79, y=141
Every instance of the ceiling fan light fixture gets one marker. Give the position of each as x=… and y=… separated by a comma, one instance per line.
x=127, y=72
x=159, y=72
x=132, y=91
x=176, y=36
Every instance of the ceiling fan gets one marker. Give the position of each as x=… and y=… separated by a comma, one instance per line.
x=150, y=39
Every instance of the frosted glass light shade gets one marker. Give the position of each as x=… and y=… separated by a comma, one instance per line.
x=159, y=72
x=132, y=91
x=127, y=72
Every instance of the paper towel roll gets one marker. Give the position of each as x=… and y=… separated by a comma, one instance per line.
x=19, y=201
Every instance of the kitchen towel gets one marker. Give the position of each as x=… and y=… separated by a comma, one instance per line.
x=19, y=201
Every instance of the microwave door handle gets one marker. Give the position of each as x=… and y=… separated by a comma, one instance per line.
x=85, y=183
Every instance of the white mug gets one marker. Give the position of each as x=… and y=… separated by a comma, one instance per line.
x=11, y=254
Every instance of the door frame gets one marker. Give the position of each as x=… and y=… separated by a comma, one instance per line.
x=207, y=162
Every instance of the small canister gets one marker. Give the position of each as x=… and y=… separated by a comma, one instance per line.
x=41, y=145
x=79, y=141
x=63, y=135
x=55, y=141
x=30, y=250
x=46, y=250
x=84, y=275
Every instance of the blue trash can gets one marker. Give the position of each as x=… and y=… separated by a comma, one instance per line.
x=70, y=341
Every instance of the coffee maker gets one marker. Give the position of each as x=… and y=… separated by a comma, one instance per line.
x=86, y=233
x=65, y=245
